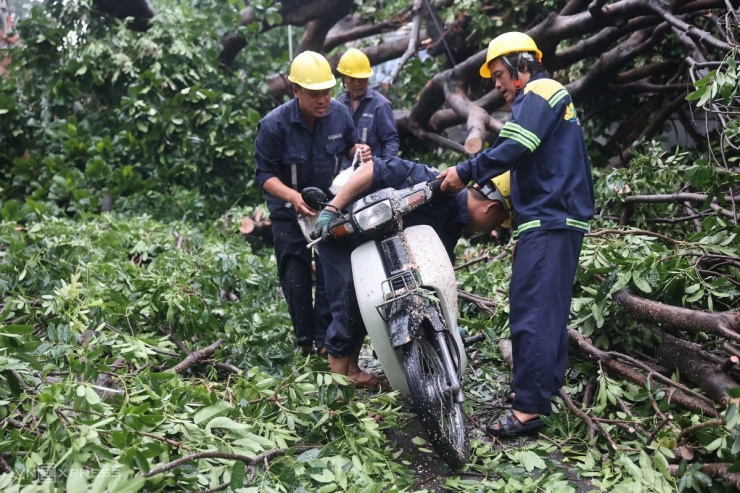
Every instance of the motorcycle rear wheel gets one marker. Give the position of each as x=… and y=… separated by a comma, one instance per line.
x=442, y=417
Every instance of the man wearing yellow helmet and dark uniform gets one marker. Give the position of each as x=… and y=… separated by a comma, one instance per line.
x=299, y=144
x=552, y=193
x=371, y=111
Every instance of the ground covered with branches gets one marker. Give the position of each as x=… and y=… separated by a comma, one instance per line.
x=145, y=345
x=146, y=354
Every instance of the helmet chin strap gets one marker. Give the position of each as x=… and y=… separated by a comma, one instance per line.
x=517, y=83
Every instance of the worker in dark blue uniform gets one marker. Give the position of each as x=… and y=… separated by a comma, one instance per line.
x=552, y=194
x=480, y=209
x=299, y=144
x=371, y=111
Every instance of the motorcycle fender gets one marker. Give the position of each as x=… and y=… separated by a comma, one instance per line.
x=404, y=320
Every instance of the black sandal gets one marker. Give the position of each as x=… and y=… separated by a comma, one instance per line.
x=509, y=426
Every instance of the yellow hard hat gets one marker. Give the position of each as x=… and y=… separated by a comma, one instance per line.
x=356, y=64
x=511, y=42
x=499, y=188
x=310, y=70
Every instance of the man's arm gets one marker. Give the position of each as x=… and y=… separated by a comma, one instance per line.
x=358, y=183
x=275, y=187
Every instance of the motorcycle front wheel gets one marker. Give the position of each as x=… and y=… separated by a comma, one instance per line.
x=442, y=417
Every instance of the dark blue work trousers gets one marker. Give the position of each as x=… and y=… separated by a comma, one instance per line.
x=346, y=331
x=540, y=294
x=310, y=314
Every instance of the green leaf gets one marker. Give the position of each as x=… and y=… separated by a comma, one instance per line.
x=418, y=441
x=596, y=310
x=76, y=481
x=102, y=479
x=641, y=284
x=238, y=474
x=530, y=460
x=692, y=289
x=15, y=330
x=326, y=476
x=141, y=461
x=91, y=396
x=203, y=416
x=130, y=486
x=693, y=96
x=661, y=464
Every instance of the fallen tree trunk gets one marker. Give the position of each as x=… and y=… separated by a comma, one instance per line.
x=725, y=325
x=704, y=374
x=611, y=363
x=720, y=471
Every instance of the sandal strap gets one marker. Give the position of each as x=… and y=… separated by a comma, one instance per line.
x=509, y=422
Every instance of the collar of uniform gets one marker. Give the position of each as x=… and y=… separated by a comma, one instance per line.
x=462, y=216
x=520, y=92
x=345, y=98
x=540, y=75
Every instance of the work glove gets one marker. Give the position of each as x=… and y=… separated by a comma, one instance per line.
x=326, y=217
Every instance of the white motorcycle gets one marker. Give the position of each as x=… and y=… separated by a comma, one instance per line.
x=407, y=293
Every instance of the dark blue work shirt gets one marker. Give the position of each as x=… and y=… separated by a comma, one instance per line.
x=543, y=145
x=447, y=214
x=286, y=149
x=374, y=123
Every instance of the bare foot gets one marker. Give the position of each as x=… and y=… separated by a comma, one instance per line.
x=361, y=377
x=368, y=380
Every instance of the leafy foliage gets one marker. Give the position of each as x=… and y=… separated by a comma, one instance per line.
x=87, y=335
x=145, y=109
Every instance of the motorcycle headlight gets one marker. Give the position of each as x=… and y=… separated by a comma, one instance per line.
x=375, y=215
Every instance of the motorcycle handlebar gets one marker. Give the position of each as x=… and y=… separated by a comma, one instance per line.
x=434, y=186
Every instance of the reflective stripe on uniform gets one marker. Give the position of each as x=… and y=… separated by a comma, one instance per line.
x=526, y=226
x=520, y=134
x=577, y=224
x=573, y=223
x=555, y=99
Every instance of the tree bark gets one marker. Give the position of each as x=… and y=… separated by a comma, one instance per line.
x=720, y=471
x=195, y=357
x=724, y=325
x=695, y=368
x=627, y=372
x=141, y=11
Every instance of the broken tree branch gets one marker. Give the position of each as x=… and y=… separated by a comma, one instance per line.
x=195, y=357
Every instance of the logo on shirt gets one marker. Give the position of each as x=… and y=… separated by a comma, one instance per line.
x=335, y=137
x=368, y=115
x=570, y=114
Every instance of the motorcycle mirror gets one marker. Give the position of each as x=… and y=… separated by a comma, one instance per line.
x=314, y=197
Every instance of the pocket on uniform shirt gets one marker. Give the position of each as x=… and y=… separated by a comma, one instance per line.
x=335, y=148
x=293, y=160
